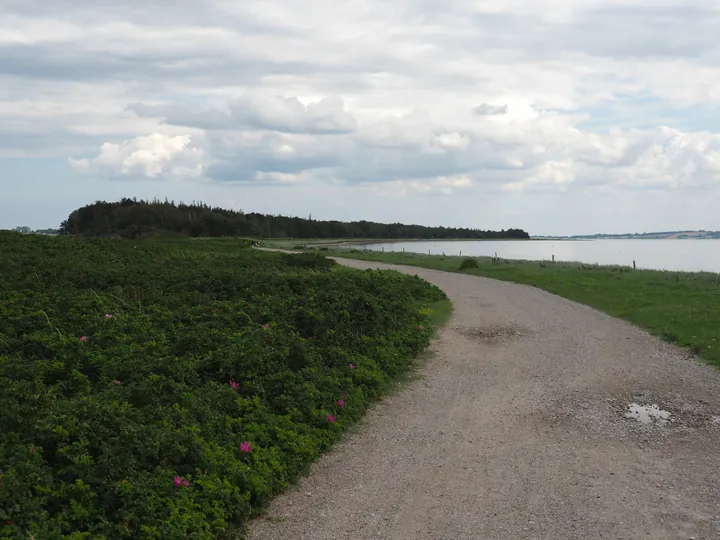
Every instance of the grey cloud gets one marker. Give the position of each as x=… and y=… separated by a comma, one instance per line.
x=652, y=30
x=142, y=68
x=383, y=165
x=43, y=138
x=291, y=116
x=659, y=30
x=238, y=158
x=182, y=116
x=161, y=13
x=486, y=109
x=353, y=159
x=260, y=111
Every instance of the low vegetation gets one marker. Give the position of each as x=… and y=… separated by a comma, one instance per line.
x=681, y=307
x=167, y=389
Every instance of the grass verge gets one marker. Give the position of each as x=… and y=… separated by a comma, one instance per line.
x=439, y=313
x=680, y=307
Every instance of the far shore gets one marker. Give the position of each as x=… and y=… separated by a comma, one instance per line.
x=368, y=241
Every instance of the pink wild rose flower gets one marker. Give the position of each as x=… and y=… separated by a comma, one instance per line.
x=186, y=483
x=246, y=447
x=83, y=338
x=234, y=384
x=178, y=481
x=351, y=366
x=340, y=403
x=116, y=381
x=331, y=418
x=108, y=316
x=266, y=325
x=419, y=326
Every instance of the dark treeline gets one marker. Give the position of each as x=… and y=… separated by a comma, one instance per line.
x=131, y=218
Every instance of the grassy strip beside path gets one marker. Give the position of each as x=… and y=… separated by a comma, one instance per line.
x=681, y=307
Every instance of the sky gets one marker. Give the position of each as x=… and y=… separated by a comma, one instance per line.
x=553, y=116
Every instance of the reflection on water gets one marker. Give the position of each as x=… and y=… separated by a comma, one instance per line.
x=647, y=414
x=689, y=255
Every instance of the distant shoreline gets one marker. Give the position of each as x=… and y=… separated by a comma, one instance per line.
x=365, y=242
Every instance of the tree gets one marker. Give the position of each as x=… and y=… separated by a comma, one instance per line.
x=130, y=218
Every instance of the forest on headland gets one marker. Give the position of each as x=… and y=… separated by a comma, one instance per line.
x=133, y=218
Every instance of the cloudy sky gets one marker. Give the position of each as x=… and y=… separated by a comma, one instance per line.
x=556, y=116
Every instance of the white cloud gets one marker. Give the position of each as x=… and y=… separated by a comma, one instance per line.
x=486, y=109
x=146, y=156
x=551, y=174
x=447, y=141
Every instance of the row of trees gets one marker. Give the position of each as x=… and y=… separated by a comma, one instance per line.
x=131, y=218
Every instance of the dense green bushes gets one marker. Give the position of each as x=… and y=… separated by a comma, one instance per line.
x=168, y=389
x=133, y=219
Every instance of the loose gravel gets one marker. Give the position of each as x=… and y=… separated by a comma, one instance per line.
x=518, y=428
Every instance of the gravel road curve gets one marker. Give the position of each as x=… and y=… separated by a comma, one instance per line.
x=517, y=429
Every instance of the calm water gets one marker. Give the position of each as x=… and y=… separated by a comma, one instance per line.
x=689, y=255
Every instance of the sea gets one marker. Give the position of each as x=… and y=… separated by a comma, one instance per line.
x=689, y=255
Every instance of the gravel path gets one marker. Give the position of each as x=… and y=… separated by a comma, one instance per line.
x=517, y=430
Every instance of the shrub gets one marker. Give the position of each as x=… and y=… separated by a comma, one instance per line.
x=468, y=263
x=168, y=389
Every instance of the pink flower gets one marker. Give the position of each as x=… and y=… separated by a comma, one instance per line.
x=108, y=316
x=246, y=447
x=419, y=326
x=178, y=481
x=331, y=418
x=116, y=381
x=341, y=403
x=83, y=338
x=351, y=366
x=234, y=384
x=186, y=483
x=83, y=275
x=266, y=325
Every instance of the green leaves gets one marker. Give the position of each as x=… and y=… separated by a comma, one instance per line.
x=94, y=432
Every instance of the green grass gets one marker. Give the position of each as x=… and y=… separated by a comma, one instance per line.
x=680, y=307
x=440, y=313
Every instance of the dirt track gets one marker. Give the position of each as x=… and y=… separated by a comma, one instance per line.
x=517, y=430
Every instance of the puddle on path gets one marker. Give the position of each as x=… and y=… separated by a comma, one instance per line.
x=648, y=414
x=494, y=334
